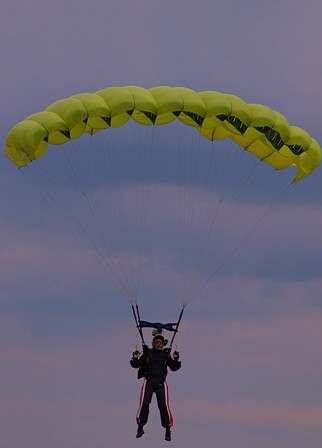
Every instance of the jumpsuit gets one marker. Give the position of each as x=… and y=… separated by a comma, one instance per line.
x=153, y=367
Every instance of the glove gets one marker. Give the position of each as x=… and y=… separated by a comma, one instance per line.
x=176, y=355
x=135, y=354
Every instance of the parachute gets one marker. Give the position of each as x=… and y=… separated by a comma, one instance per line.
x=118, y=213
x=254, y=127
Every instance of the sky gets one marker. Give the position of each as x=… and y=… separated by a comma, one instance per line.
x=251, y=344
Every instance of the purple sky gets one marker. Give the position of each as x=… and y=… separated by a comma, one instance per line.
x=251, y=346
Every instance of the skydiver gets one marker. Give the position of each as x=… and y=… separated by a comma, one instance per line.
x=152, y=365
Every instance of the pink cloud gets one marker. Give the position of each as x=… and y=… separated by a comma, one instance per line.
x=268, y=361
x=258, y=413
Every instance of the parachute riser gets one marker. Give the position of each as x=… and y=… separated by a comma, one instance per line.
x=176, y=329
x=136, y=315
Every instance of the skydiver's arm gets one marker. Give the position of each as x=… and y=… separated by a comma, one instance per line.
x=135, y=360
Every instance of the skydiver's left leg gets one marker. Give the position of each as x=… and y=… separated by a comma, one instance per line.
x=162, y=393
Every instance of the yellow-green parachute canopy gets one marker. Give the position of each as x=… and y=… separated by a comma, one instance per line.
x=256, y=128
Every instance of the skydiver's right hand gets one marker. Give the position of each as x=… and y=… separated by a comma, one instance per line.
x=135, y=354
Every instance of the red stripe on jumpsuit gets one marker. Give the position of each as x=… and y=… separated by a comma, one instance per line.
x=166, y=390
x=141, y=401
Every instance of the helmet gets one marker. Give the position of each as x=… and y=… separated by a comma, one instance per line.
x=158, y=335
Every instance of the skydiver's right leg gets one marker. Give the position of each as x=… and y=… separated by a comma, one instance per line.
x=143, y=411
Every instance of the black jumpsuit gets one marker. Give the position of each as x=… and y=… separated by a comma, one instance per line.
x=153, y=366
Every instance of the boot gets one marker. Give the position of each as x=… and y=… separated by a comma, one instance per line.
x=140, y=432
x=167, y=434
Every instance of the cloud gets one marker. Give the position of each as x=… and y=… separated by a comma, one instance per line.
x=273, y=360
x=82, y=385
x=253, y=374
x=277, y=261
x=269, y=414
